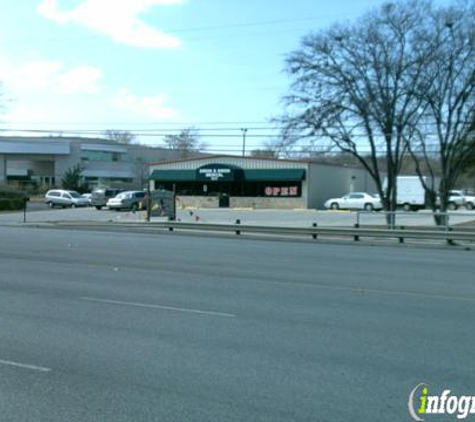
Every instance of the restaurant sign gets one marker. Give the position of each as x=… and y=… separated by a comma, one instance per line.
x=216, y=173
x=281, y=191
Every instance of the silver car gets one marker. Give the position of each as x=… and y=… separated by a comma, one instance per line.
x=129, y=200
x=65, y=198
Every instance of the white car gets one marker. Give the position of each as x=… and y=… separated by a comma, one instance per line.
x=355, y=201
x=457, y=199
x=470, y=202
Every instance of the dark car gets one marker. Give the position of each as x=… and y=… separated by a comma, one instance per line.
x=100, y=196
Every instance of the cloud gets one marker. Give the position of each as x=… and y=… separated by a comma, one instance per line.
x=152, y=107
x=26, y=113
x=31, y=76
x=50, y=76
x=117, y=19
x=81, y=79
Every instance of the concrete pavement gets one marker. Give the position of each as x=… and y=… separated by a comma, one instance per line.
x=136, y=327
x=296, y=218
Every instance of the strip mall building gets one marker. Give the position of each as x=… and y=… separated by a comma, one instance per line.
x=247, y=182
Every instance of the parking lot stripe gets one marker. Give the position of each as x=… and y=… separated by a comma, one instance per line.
x=24, y=366
x=166, y=308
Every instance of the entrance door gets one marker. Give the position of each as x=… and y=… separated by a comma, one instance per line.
x=223, y=200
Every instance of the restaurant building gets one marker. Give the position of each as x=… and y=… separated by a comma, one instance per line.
x=247, y=182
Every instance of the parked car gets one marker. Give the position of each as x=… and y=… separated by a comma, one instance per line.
x=355, y=201
x=470, y=202
x=88, y=196
x=456, y=199
x=100, y=196
x=131, y=200
x=65, y=198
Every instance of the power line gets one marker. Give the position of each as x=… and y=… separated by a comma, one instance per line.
x=184, y=123
x=202, y=133
x=192, y=29
x=161, y=130
x=255, y=23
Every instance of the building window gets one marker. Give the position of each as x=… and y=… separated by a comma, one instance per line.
x=103, y=156
x=248, y=189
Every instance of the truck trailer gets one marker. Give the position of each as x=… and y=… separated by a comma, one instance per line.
x=410, y=193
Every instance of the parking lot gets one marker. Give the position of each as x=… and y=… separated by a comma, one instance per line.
x=39, y=213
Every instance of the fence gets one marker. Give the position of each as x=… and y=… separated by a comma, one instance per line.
x=414, y=219
x=314, y=232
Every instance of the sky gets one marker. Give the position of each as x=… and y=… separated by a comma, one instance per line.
x=154, y=67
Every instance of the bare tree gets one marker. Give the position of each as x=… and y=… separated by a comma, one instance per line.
x=263, y=153
x=445, y=142
x=187, y=142
x=353, y=89
x=272, y=148
x=121, y=136
x=469, y=165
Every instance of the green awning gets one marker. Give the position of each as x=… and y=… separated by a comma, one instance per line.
x=267, y=175
x=173, y=175
x=274, y=175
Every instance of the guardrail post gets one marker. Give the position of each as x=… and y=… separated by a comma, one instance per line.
x=314, y=235
x=356, y=237
x=238, y=232
x=450, y=241
x=149, y=204
x=25, y=202
x=401, y=239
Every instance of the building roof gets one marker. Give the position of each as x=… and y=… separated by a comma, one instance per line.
x=309, y=161
x=265, y=175
x=237, y=157
x=55, y=139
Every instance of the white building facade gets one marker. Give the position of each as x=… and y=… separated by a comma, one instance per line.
x=43, y=161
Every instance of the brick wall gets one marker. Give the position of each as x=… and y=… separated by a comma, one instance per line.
x=240, y=202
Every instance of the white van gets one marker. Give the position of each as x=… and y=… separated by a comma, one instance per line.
x=65, y=198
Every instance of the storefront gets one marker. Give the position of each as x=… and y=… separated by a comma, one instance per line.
x=243, y=182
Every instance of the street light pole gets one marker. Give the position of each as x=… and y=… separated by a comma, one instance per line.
x=244, y=131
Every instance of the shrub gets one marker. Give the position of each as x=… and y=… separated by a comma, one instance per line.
x=11, y=204
x=11, y=194
x=11, y=200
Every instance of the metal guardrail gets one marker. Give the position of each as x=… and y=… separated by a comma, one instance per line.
x=446, y=217
x=314, y=232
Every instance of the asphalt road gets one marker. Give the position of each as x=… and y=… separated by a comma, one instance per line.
x=135, y=327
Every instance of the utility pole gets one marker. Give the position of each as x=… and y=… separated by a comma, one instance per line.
x=244, y=131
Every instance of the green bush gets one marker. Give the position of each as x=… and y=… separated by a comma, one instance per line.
x=12, y=194
x=11, y=204
x=12, y=200
x=4, y=204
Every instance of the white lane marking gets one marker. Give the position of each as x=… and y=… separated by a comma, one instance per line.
x=24, y=366
x=167, y=308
